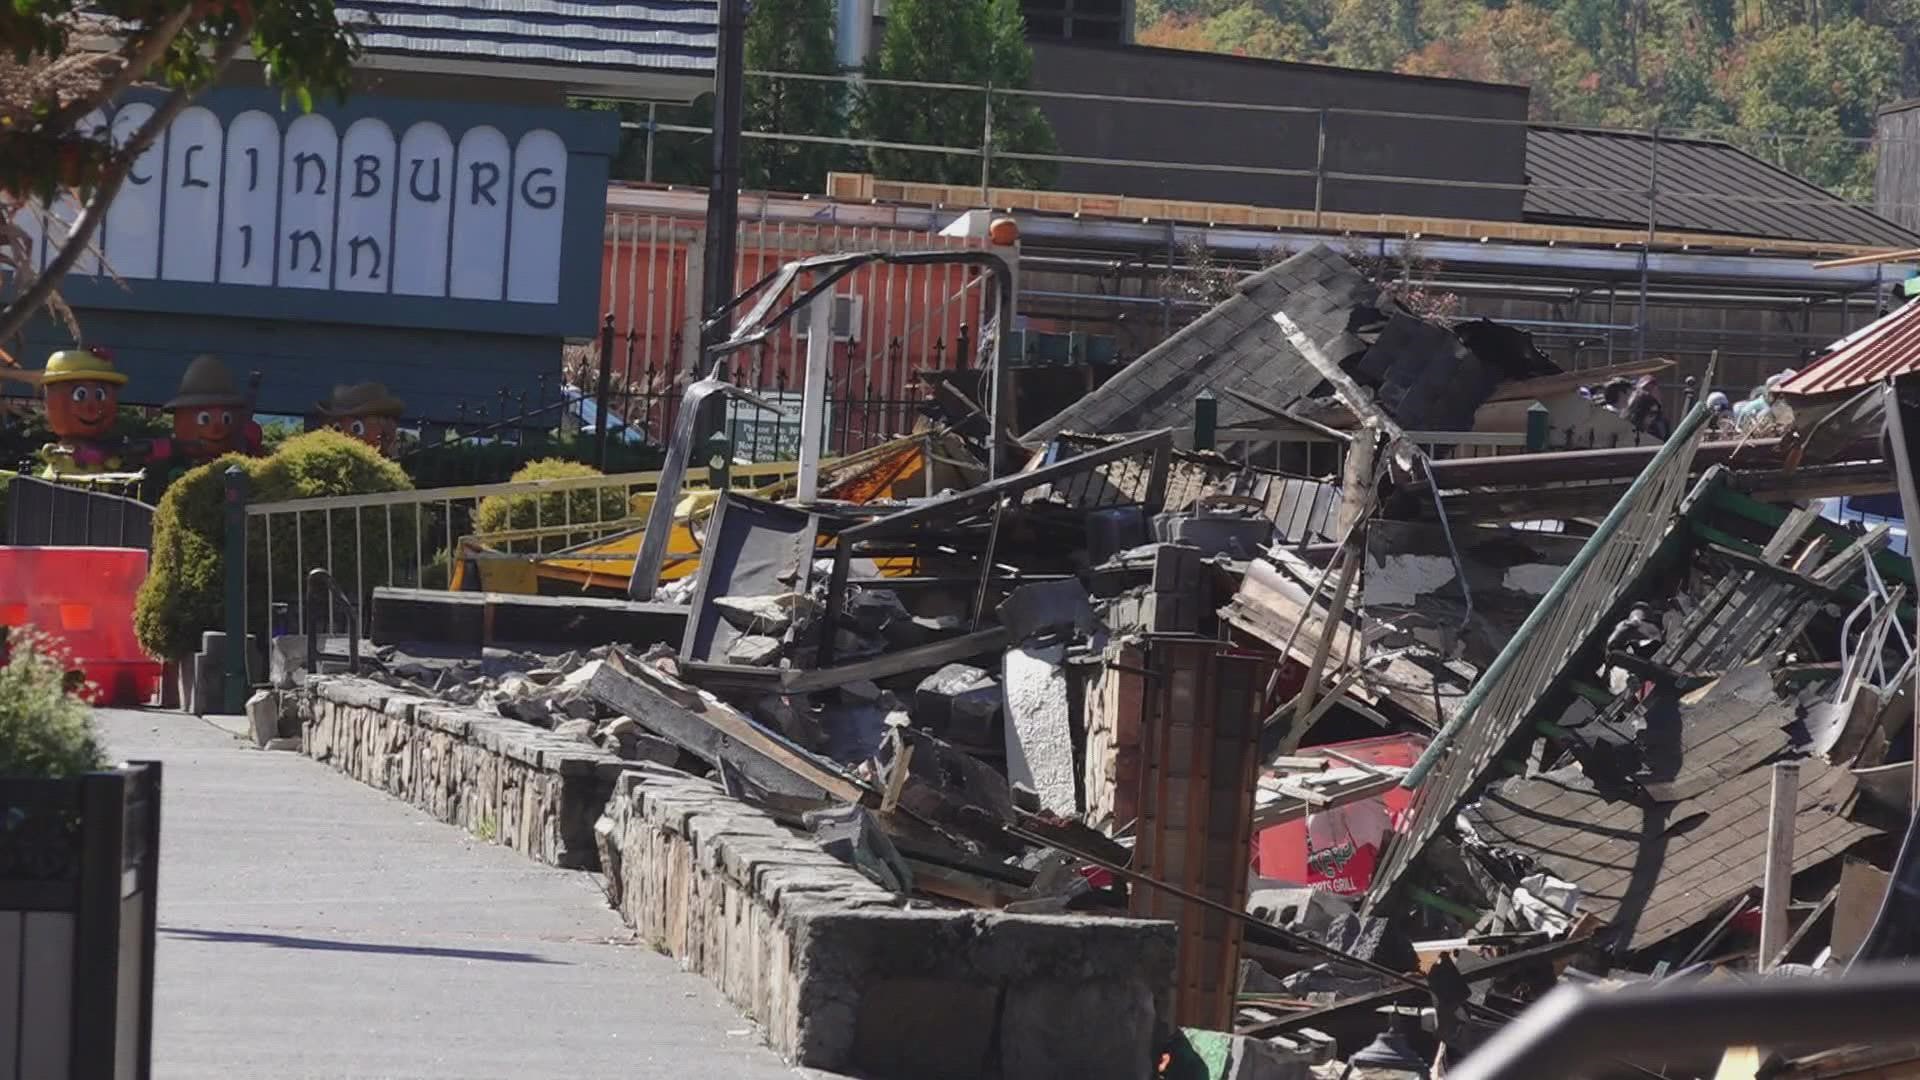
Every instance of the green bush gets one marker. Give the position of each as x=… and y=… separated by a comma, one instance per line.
x=185, y=587
x=500, y=513
x=45, y=731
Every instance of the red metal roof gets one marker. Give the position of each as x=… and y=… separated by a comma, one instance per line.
x=1886, y=347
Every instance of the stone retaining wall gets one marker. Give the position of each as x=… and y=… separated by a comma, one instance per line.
x=501, y=780
x=842, y=977
x=838, y=972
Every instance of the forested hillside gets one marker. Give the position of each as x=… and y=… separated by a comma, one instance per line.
x=1794, y=80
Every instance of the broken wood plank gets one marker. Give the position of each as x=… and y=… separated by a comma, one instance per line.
x=713, y=731
x=934, y=655
x=1778, y=882
x=1291, y=807
x=1365, y=1003
x=951, y=884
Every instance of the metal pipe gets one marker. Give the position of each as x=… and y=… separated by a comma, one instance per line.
x=852, y=34
x=1573, y=1028
x=723, y=184
x=1556, y=594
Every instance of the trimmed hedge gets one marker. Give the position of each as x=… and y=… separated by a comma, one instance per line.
x=183, y=595
x=498, y=513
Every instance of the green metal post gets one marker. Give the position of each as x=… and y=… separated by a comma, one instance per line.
x=236, y=682
x=1556, y=594
x=1537, y=421
x=1206, y=420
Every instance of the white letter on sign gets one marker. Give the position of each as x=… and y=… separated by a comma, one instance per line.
x=250, y=200
x=362, y=242
x=483, y=183
x=539, y=211
x=424, y=211
x=190, y=233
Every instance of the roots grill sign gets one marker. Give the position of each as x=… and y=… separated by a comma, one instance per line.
x=272, y=201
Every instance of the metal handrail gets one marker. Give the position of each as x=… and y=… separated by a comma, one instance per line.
x=428, y=496
x=320, y=588
x=1573, y=1029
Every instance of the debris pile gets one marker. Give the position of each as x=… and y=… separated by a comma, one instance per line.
x=1399, y=745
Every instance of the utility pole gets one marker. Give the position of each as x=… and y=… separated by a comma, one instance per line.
x=723, y=186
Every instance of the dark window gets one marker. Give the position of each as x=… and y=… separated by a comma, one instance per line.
x=1085, y=20
x=1051, y=26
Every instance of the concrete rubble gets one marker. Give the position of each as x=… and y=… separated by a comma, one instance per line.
x=1390, y=767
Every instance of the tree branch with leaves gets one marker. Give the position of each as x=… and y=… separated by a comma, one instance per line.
x=62, y=64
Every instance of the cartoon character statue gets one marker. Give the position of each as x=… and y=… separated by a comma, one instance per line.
x=211, y=416
x=367, y=412
x=82, y=390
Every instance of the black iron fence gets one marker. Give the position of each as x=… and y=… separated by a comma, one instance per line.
x=489, y=439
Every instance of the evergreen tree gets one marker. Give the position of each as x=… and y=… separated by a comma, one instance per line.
x=782, y=35
x=796, y=36
x=975, y=42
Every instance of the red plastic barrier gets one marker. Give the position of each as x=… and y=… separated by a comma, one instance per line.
x=83, y=596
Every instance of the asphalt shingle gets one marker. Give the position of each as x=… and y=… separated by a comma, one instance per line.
x=1586, y=176
x=676, y=36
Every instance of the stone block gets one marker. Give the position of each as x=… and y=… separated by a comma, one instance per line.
x=1046, y=607
x=287, y=661
x=1039, y=736
x=754, y=650
x=959, y=703
x=936, y=1028
x=1320, y=1046
x=1240, y=536
x=263, y=717
x=1053, y=1028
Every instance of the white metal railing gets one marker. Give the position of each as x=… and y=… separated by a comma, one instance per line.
x=1436, y=444
x=413, y=538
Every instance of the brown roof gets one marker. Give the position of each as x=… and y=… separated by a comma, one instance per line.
x=1655, y=868
x=1888, y=346
x=1600, y=177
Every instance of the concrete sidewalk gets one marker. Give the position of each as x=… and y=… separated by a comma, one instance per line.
x=313, y=927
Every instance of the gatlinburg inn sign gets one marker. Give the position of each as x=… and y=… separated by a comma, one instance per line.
x=381, y=211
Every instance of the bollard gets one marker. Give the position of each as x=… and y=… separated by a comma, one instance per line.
x=719, y=460
x=234, y=698
x=1537, y=420
x=1206, y=419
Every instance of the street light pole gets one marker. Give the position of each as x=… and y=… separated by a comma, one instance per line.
x=723, y=185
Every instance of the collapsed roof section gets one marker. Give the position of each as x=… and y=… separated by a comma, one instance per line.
x=1423, y=375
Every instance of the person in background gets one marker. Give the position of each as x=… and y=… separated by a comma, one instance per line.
x=1615, y=394
x=1644, y=411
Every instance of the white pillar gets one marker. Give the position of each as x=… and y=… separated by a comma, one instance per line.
x=813, y=402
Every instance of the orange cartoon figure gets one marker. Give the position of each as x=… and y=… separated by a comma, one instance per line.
x=211, y=416
x=82, y=390
x=367, y=412
x=83, y=394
